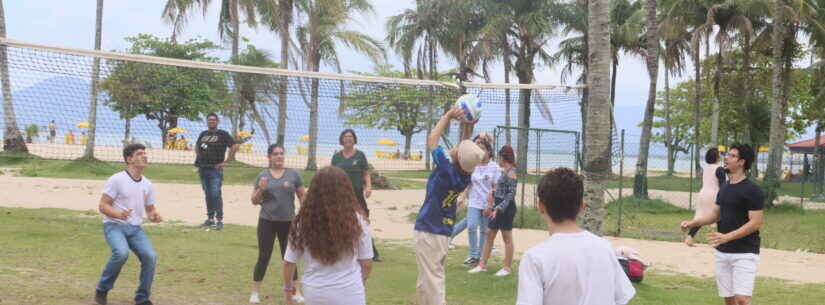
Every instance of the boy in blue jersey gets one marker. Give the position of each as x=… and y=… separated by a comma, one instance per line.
x=434, y=223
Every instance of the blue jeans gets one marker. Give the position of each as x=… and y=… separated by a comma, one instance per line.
x=122, y=238
x=211, y=181
x=476, y=225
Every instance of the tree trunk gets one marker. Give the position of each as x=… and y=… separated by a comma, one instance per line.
x=12, y=139
x=820, y=169
x=508, y=67
x=640, y=181
x=261, y=122
x=777, y=131
x=315, y=62
x=285, y=9
x=524, y=71
x=714, y=123
x=127, y=127
x=89, y=153
x=430, y=111
x=671, y=161
x=407, y=143
x=597, y=158
x=746, y=83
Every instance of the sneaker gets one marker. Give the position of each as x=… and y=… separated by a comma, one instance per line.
x=470, y=261
x=147, y=302
x=208, y=223
x=377, y=259
x=503, y=272
x=219, y=225
x=451, y=245
x=478, y=269
x=298, y=298
x=254, y=298
x=100, y=297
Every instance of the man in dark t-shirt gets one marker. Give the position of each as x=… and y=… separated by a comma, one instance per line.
x=738, y=215
x=211, y=149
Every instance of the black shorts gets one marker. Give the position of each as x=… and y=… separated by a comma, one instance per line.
x=504, y=220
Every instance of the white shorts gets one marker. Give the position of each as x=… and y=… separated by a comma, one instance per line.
x=735, y=273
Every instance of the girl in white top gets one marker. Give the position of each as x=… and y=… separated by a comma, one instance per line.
x=483, y=182
x=331, y=237
x=713, y=176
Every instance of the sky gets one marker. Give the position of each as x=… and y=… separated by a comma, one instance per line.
x=71, y=24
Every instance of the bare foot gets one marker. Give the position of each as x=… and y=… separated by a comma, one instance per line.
x=689, y=241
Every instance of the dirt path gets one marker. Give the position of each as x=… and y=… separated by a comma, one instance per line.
x=390, y=210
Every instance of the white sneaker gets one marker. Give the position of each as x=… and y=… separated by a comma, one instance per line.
x=503, y=272
x=478, y=269
x=254, y=298
x=451, y=245
x=298, y=298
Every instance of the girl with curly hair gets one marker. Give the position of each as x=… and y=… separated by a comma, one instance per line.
x=331, y=238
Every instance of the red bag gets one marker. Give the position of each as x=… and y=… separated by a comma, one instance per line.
x=634, y=269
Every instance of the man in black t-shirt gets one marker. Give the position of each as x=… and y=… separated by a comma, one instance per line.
x=211, y=149
x=738, y=215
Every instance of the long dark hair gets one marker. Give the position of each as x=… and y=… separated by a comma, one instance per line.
x=327, y=224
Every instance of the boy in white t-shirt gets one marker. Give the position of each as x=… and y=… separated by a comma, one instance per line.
x=573, y=266
x=126, y=196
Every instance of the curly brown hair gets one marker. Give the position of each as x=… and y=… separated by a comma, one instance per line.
x=327, y=224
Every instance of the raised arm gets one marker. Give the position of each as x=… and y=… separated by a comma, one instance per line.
x=443, y=123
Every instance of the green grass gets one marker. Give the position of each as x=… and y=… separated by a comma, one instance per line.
x=682, y=184
x=786, y=226
x=55, y=256
x=236, y=173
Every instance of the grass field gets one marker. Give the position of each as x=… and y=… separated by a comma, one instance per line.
x=236, y=173
x=786, y=226
x=55, y=256
x=239, y=173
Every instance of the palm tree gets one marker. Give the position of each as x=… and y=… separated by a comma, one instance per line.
x=317, y=37
x=677, y=44
x=415, y=31
x=278, y=17
x=256, y=88
x=640, y=183
x=12, y=139
x=802, y=15
x=89, y=153
x=596, y=159
x=228, y=28
x=530, y=25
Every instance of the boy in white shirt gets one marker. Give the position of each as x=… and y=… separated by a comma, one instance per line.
x=127, y=197
x=573, y=266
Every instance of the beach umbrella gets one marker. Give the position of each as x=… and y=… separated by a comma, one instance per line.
x=387, y=142
x=176, y=130
x=82, y=125
x=305, y=139
x=763, y=149
x=722, y=148
x=243, y=134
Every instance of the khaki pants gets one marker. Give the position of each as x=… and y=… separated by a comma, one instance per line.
x=431, y=256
